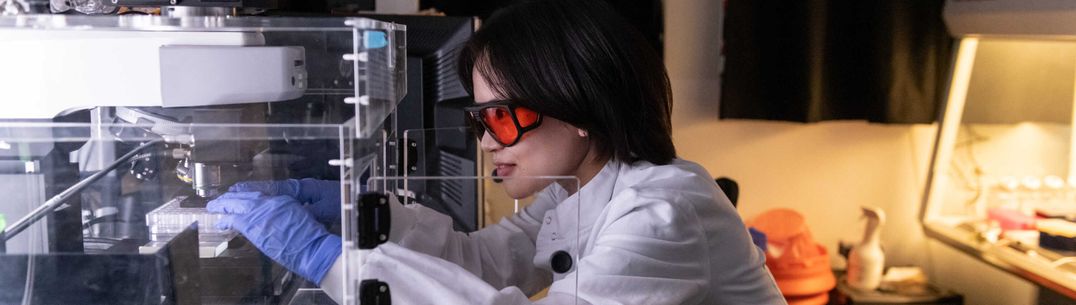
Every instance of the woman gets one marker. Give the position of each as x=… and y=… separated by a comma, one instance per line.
x=563, y=88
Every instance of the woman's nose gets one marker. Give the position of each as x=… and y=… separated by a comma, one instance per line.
x=488, y=144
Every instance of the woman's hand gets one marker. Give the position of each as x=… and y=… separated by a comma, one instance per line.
x=320, y=197
x=282, y=229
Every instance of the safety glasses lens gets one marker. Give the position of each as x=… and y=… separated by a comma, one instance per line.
x=527, y=117
x=499, y=122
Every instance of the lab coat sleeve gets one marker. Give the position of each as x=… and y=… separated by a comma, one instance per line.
x=418, y=279
x=653, y=249
x=500, y=254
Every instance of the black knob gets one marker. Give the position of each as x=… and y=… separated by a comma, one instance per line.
x=561, y=262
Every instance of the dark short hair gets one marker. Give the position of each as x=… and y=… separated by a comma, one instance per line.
x=578, y=61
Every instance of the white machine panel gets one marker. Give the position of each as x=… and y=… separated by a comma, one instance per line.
x=46, y=73
x=213, y=75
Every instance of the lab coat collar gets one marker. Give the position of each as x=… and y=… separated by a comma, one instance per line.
x=586, y=204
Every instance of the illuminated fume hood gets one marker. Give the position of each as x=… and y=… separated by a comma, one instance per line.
x=1002, y=180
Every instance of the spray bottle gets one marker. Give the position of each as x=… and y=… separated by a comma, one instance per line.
x=866, y=260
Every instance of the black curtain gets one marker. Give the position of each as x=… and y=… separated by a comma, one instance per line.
x=813, y=60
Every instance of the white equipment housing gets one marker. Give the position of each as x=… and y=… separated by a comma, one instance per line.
x=46, y=73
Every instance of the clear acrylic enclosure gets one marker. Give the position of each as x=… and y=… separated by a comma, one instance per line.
x=501, y=253
x=1002, y=184
x=435, y=178
x=117, y=130
x=115, y=213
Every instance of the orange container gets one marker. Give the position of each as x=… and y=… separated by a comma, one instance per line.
x=799, y=265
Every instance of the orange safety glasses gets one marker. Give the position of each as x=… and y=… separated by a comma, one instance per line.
x=504, y=120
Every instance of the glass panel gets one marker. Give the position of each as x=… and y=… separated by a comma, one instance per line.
x=115, y=213
x=436, y=248
x=441, y=175
x=1012, y=147
x=445, y=152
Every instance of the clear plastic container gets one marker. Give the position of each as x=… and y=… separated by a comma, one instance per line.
x=171, y=218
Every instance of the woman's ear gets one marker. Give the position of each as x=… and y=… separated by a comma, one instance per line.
x=582, y=133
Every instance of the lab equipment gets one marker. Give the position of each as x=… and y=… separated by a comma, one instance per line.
x=1059, y=235
x=108, y=171
x=1007, y=138
x=15, y=7
x=167, y=69
x=173, y=218
x=3, y=241
x=1011, y=219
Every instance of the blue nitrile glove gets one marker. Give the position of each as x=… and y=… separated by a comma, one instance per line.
x=321, y=197
x=281, y=229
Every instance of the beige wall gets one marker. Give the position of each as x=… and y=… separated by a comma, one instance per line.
x=825, y=170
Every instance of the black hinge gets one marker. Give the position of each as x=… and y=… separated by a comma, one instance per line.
x=374, y=292
x=408, y=155
x=375, y=220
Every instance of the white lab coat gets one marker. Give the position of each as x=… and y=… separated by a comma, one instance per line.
x=648, y=234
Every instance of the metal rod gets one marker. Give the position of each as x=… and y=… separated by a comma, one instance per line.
x=54, y=202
